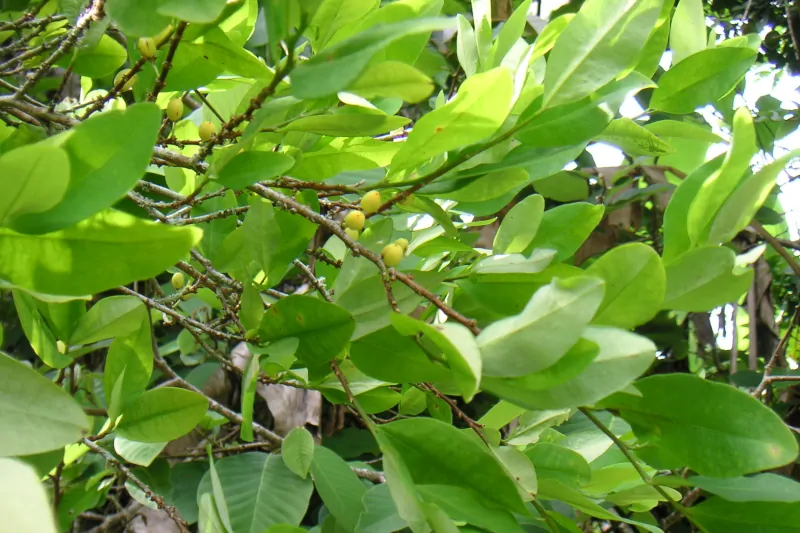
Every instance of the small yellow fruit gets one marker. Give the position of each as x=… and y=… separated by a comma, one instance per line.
x=175, y=109
x=352, y=233
x=178, y=280
x=355, y=220
x=402, y=243
x=371, y=201
x=392, y=254
x=128, y=84
x=206, y=131
x=61, y=347
x=147, y=47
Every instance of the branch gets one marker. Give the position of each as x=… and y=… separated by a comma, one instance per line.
x=152, y=496
x=776, y=245
x=773, y=360
x=161, y=82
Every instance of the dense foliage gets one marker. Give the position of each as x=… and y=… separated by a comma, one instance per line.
x=350, y=266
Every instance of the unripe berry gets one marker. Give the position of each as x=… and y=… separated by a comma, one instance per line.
x=147, y=47
x=128, y=84
x=355, y=220
x=206, y=131
x=402, y=243
x=371, y=201
x=175, y=109
x=352, y=233
x=178, y=280
x=392, y=254
x=61, y=347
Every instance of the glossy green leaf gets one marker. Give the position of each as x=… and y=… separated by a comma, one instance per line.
x=344, y=154
x=765, y=487
x=459, y=350
x=463, y=505
x=635, y=285
x=41, y=337
x=250, y=167
x=566, y=186
x=714, y=191
x=533, y=423
x=249, y=384
x=110, y=317
x=716, y=514
x=565, y=228
x=298, y=451
x=700, y=79
x=342, y=63
x=246, y=488
x=713, y=428
x=107, y=156
x=437, y=453
x=745, y=201
x=541, y=334
x=138, y=453
x=348, y=123
x=477, y=112
x=389, y=356
x=509, y=34
x=603, y=40
x=401, y=485
x=136, y=17
x=380, y=513
x=100, y=60
x=705, y=278
x=334, y=15
x=35, y=415
x=519, y=226
x=322, y=328
x=565, y=124
x=554, y=461
x=393, y=79
x=623, y=357
x=34, y=179
x=547, y=37
x=162, y=414
x=338, y=486
x=74, y=261
x=466, y=46
x=689, y=32
x=26, y=504
x=131, y=356
x=199, y=11
x=672, y=129
x=633, y=139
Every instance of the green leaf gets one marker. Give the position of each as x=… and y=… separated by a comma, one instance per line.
x=554, y=461
x=252, y=166
x=672, y=129
x=107, y=155
x=199, y=11
x=110, y=317
x=510, y=33
x=401, y=485
x=675, y=227
x=745, y=201
x=635, y=285
x=563, y=125
x=249, y=384
x=138, y=453
x=42, y=339
x=220, y=50
x=463, y=505
x=393, y=79
x=543, y=332
x=339, y=65
x=394, y=358
x=633, y=139
x=35, y=415
x=344, y=154
x=104, y=251
x=131, y=356
x=765, y=487
x=603, y=41
x=340, y=489
x=458, y=349
x=322, y=328
x=714, y=429
x=547, y=37
x=26, y=506
x=519, y=226
x=334, y=15
x=566, y=186
x=716, y=514
x=298, y=451
x=700, y=79
x=138, y=18
x=533, y=423
x=99, y=60
x=439, y=454
x=162, y=414
x=34, y=179
x=247, y=485
x=688, y=34
x=380, y=513
x=477, y=112
x=565, y=228
x=705, y=278
x=466, y=46
x=718, y=187
x=623, y=357
x=348, y=122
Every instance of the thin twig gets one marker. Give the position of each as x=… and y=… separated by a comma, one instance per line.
x=161, y=82
x=776, y=355
x=767, y=236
